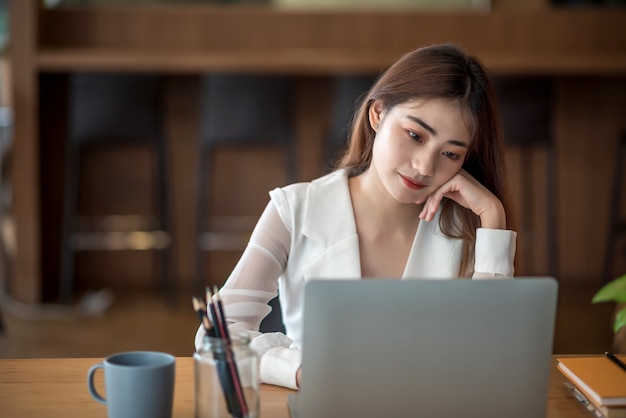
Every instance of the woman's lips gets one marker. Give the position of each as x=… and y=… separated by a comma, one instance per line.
x=411, y=184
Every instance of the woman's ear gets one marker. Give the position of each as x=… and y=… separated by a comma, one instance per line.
x=376, y=111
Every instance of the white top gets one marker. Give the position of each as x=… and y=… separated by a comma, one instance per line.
x=308, y=231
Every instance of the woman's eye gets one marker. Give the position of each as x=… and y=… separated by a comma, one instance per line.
x=415, y=136
x=451, y=155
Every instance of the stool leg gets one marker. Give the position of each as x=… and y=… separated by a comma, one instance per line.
x=527, y=207
x=553, y=253
x=201, y=216
x=291, y=161
x=70, y=209
x=167, y=275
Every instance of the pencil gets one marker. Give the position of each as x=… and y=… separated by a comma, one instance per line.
x=240, y=407
x=215, y=317
x=220, y=309
x=200, y=309
x=219, y=318
x=615, y=360
x=221, y=363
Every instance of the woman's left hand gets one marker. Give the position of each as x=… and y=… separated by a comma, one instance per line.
x=469, y=193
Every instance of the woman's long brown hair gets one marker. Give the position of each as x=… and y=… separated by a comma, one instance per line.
x=445, y=72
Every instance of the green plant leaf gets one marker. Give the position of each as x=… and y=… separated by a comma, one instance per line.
x=620, y=320
x=613, y=291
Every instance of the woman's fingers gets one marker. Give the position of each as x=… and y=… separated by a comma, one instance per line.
x=430, y=207
x=461, y=188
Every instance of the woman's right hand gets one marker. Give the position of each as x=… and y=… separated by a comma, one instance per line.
x=469, y=193
x=298, y=376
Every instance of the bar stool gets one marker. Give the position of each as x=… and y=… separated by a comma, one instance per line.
x=525, y=105
x=242, y=111
x=115, y=110
x=346, y=91
x=617, y=226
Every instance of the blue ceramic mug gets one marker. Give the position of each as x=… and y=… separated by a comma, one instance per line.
x=138, y=384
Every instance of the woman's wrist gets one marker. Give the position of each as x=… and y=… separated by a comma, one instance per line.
x=494, y=217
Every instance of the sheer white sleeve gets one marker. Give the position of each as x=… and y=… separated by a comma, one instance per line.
x=251, y=285
x=254, y=280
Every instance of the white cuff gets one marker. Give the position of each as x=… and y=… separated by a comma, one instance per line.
x=279, y=366
x=495, y=251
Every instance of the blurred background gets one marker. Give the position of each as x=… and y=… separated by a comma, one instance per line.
x=139, y=140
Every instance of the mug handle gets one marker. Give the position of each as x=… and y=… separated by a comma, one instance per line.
x=90, y=383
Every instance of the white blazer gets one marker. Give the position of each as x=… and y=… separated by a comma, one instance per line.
x=325, y=245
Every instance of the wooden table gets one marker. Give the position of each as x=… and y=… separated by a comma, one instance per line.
x=58, y=388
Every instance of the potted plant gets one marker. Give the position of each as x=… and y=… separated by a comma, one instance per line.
x=615, y=291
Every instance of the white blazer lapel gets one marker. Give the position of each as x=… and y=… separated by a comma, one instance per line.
x=329, y=222
x=341, y=261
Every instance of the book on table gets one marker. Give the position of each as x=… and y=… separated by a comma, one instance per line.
x=599, y=380
x=595, y=410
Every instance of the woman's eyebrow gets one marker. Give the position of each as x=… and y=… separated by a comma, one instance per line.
x=434, y=132
x=423, y=124
x=458, y=143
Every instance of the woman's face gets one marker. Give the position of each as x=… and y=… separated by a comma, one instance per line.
x=419, y=145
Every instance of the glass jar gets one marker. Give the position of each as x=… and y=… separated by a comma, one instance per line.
x=226, y=379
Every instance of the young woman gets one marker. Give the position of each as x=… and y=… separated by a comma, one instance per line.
x=419, y=193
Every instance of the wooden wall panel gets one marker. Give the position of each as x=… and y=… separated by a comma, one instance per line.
x=527, y=172
x=25, y=283
x=589, y=117
x=565, y=41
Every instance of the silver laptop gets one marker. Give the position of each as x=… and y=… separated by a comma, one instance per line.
x=426, y=348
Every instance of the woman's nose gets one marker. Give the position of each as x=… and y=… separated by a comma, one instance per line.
x=424, y=163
